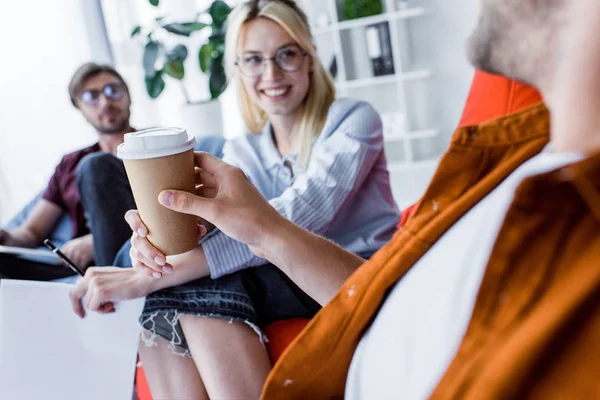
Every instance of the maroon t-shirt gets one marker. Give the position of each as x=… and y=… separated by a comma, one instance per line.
x=62, y=189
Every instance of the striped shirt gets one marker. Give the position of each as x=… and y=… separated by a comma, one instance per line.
x=343, y=195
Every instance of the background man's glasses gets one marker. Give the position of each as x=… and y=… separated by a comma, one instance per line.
x=112, y=91
x=288, y=59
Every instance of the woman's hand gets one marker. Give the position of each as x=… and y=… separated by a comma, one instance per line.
x=144, y=256
x=102, y=286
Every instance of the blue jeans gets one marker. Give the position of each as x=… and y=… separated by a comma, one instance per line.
x=105, y=196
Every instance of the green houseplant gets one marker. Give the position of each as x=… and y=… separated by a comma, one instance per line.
x=362, y=8
x=160, y=59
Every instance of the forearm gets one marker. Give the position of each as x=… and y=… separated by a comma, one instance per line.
x=41, y=220
x=316, y=265
x=186, y=267
x=23, y=237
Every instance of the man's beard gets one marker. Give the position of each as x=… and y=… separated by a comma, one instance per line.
x=499, y=47
x=481, y=43
x=113, y=128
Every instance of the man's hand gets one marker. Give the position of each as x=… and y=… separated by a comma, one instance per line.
x=236, y=207
x=229, y=201
x=102, y=286
x=80, y=250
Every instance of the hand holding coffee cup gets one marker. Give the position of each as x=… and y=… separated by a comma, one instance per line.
x=146, y=258
x=155, y=160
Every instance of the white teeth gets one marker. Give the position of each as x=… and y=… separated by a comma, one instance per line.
x=275, y=92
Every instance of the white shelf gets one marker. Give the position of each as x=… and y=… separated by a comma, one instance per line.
x=407, y=166
x=356, y=23
x=385, y=79
x=399, y=93
x=424, y=134
x=404, y=93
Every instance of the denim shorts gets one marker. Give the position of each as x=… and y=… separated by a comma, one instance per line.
x=256, y=296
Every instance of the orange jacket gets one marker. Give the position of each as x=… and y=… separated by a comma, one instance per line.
x=535, y=328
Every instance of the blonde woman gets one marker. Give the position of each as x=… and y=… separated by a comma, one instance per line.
x=320, y=161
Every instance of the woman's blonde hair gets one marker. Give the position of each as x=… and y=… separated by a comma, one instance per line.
x=321, y=91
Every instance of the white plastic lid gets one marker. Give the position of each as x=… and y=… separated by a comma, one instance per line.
x=155, y=142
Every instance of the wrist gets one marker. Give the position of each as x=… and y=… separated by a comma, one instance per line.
x=274, y=237
x=148, y=284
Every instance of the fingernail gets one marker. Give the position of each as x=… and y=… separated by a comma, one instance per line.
x=142, y=231
x=156, y=274
x=167, y=269
x=159, y=260
x=167, y=198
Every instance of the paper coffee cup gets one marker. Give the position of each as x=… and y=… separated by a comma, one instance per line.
x=155, y=160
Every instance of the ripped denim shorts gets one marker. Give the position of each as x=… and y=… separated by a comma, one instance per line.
x=256, y=296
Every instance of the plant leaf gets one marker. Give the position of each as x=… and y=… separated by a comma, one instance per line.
x=155, y=84
x=150, y=56
x=217, y=38
x=174, y=69
x=205, y=56
x=136, y=31
x=218, y=80
x=177, y=29
x=195, y=26
x=154, y=2
x=177, y=53
x=219, y=10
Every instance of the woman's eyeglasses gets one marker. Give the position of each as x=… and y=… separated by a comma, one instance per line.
x=288, y=59
x=111, y=91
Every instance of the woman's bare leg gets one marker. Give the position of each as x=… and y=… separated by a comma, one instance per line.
x=170, y=376
x=230, y=357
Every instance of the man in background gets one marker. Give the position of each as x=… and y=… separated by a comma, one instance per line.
x=89, y=184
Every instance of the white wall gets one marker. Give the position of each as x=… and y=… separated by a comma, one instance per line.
x=438, y=43
x=444, y=37
x=43, y=43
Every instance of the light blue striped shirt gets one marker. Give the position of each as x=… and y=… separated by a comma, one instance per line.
x=344, y=194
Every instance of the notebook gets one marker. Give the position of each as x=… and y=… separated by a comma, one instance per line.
x=50, y=353
x=38, y=255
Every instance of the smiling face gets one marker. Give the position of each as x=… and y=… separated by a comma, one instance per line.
x=280, y=94
x=107, y=115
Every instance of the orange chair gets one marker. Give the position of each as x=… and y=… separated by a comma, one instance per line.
x=490, y=97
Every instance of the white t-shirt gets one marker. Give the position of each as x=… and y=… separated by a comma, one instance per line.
x=420, y=326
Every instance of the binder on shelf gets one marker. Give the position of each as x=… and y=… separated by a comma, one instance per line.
x=379, y=48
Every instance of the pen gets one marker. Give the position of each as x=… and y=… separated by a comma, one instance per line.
x=60, y=254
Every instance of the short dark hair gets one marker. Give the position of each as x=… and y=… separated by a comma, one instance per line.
x=87, y=71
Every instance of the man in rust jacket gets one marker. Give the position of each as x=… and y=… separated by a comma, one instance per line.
x=492, y=289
